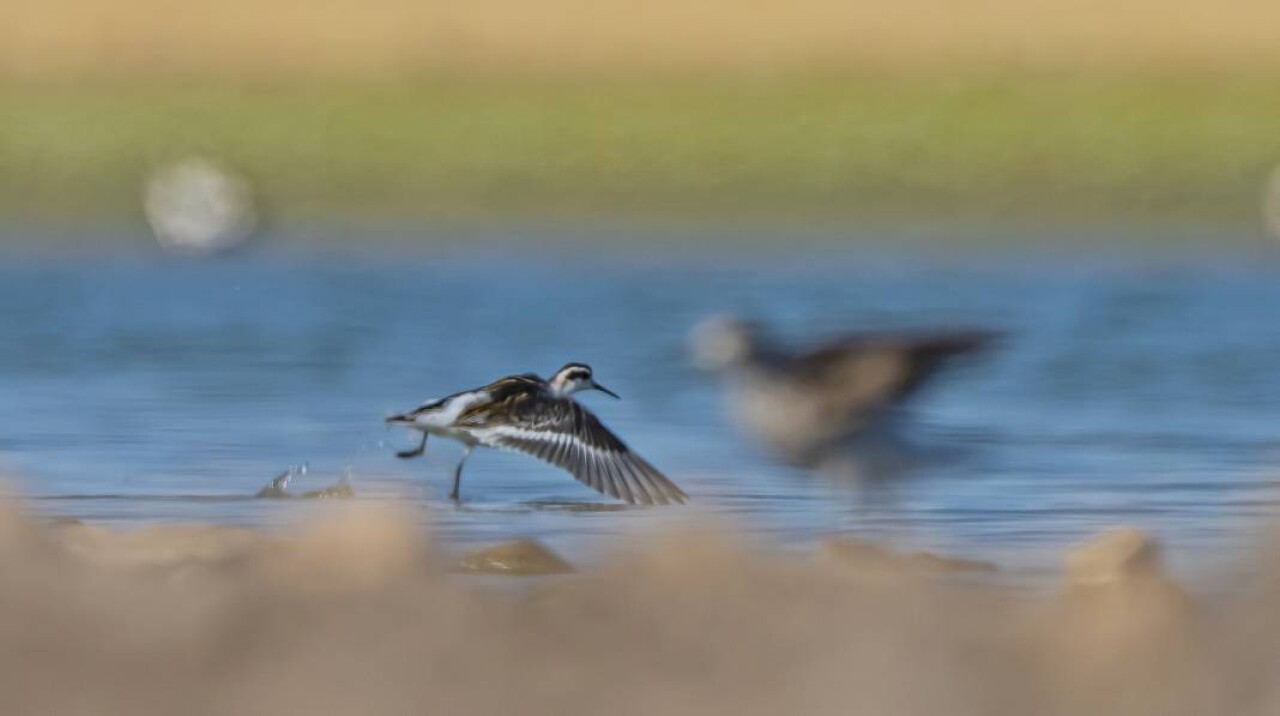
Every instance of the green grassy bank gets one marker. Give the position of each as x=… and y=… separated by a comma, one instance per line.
x=1022, y=147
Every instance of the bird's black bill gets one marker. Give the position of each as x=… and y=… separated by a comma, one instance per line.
x=606, y=391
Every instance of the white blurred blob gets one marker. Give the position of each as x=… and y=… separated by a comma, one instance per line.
x=196, y=207
x=1271, y=203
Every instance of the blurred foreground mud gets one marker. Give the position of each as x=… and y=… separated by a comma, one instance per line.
x=522, y=557
x=357, y=612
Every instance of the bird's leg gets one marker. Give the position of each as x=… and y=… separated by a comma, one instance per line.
x=422, y=447
x=457, y=473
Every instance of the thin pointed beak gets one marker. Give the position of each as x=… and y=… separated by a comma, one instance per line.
x=606, y=391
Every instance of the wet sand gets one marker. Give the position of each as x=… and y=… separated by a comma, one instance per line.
x=359, y=612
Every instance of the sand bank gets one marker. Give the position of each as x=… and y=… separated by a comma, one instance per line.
x=358, y=612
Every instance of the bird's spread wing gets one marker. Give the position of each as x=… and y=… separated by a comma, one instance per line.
x=870, y=370
x=561, y=432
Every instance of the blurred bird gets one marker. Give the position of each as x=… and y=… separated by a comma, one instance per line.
x=527, y=414
x=807, y=406
x=197, y=208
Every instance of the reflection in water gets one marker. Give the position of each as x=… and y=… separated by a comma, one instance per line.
x=886, y=453
x=568, y=506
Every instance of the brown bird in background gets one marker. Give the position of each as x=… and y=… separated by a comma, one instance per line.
x=805, y=405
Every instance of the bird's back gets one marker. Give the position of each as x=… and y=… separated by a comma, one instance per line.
x=864, y=369
x=507, y=398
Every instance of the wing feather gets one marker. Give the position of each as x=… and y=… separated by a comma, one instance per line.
x=633, y=484
x=620, y=482
x=559, y=431
x=649, y=497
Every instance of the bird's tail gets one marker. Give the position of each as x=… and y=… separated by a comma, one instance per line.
x=413, y=415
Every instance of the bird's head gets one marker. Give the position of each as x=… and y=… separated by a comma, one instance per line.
x=575, y=377
x=721, y=342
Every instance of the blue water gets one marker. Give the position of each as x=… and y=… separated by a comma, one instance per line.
x=1133, y=389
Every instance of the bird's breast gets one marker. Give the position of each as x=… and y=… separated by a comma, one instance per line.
x=776, y=411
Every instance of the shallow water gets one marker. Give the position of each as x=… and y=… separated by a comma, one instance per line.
x=1132, y=389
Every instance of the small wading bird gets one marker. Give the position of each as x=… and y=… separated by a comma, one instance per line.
x=807, y=406
x=527, y=414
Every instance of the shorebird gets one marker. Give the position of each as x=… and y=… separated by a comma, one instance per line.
x=807, y=405
x=524, y=413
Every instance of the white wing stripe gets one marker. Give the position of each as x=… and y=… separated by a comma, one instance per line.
x=620, y=480
x=655, y=495
x=499, y=432
x=619, y=473
x=637, y=485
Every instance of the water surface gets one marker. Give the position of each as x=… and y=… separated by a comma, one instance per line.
x=1131, y=390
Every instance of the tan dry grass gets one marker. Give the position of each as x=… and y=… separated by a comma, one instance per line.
x=71, y=38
